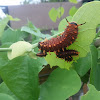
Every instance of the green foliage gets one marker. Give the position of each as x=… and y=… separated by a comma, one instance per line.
x=3, y=24
x=3, y=56
x=72, y=11
x=60, y=11
x=92, y=94
x=31, y=29
x=5, y=97
x=95, y=72
x=54, y=0
x=12, y=19
x=12, y=36
x=4, y=89
x=22, y=77
x=59, y=85
x=20, y=73
x=95, y=69
x=54, y=13
x=82, y=45
x=73, y=1
x=83, y=64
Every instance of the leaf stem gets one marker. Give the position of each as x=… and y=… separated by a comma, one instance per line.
x=5, y=49
x=10, y=27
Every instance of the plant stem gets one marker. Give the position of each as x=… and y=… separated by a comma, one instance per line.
x=10, y=27
x=5, y=49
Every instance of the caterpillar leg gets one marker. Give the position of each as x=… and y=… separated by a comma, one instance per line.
x=67, y=54
x=41, y=54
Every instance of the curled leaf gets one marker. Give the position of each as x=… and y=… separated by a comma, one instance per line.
x=18, y=49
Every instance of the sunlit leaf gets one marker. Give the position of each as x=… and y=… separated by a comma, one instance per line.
x=88, y=13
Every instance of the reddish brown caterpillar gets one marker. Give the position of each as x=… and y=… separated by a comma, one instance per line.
x=59, y=43
x=67, y=54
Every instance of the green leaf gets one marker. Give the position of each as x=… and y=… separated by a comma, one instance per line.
x=98, y=54
x=3, y=58
x=13, y=36
x=3, y=24
x=3, y=55
x=13, y=19
x=21, y=77
x=60, y=12
x=5, y=97
x=96, y=77
x=6, y=90
x=83, y=64
x=73, y=1
x=53, y=14
x=60, y=85
x=94, y=68
x=92, y=94
x=53, y=61
x=18, y=49
x=87, y=31
x=33, y=30
x=72, y=11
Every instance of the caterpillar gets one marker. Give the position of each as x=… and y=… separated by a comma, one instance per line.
x=59, y=43
x=67, y=54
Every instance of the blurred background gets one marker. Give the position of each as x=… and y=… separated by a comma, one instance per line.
x=36, y=11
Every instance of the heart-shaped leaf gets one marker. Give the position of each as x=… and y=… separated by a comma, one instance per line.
x=60, y=85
